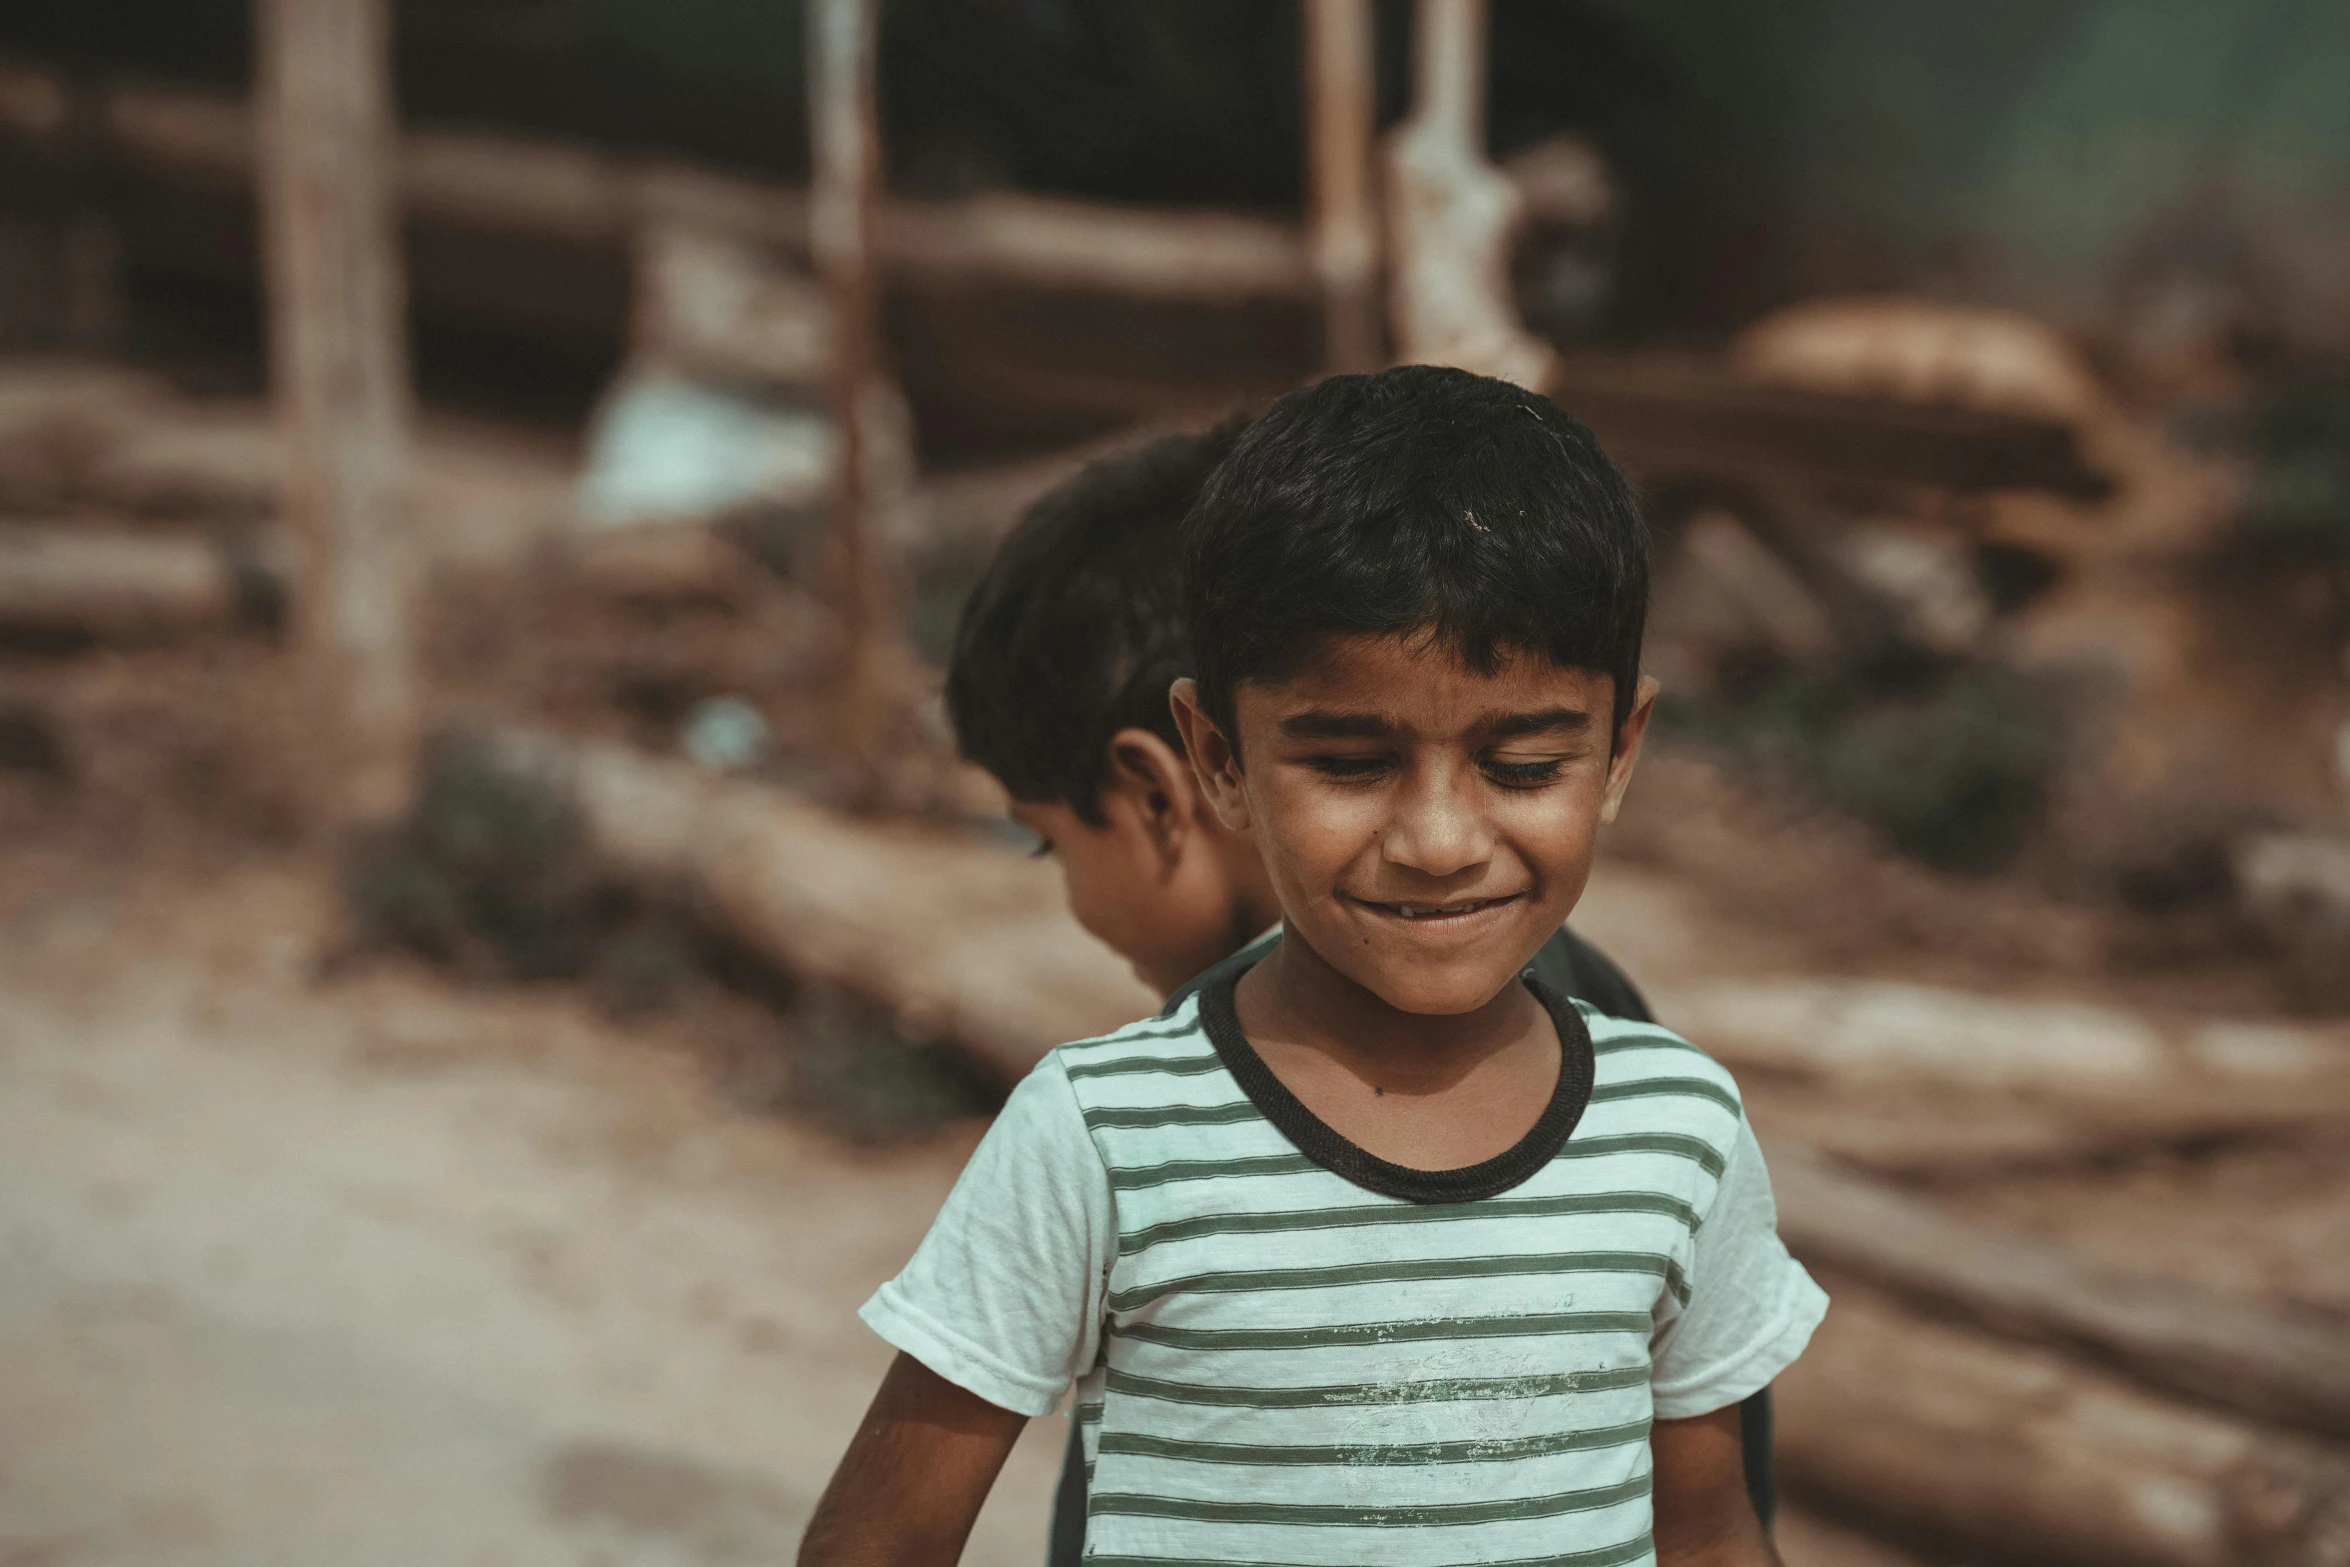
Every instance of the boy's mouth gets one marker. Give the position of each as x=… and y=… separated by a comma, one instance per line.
x=1436, y=913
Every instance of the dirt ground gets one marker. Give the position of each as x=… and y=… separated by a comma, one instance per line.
x=383, y=1271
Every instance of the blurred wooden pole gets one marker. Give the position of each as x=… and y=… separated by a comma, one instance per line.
x=1452, y=215
x=845, y=187
x=339, y=364
x=1341, y=110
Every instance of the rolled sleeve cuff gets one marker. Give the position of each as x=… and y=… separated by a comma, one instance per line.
x=958, y=1360
x=1751, y=1369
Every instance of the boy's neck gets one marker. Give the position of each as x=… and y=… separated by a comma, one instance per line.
x=1296, y=998
x=1256, y=908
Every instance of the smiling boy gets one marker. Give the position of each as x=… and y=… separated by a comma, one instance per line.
x=1377, y=1248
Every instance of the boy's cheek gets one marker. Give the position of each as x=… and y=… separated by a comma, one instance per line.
x=1087, y=883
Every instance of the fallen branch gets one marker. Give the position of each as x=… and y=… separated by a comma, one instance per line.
x=2015, y=1451
x=968, y=945
x=2237, y=1353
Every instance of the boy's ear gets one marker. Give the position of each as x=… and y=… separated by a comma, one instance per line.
x=1157, y=785
x=1214, y=761
x=1627, y=751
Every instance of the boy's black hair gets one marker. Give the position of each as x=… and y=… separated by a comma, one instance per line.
x=1420, y=500
x=1077, y=629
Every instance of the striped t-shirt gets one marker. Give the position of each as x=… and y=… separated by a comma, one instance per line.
x=1287, y=1351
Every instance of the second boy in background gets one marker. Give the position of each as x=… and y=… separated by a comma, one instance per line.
x=1058, y=687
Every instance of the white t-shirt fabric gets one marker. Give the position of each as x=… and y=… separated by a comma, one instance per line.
x=1274, y=1364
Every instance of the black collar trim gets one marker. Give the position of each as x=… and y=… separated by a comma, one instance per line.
x=1315, y=1139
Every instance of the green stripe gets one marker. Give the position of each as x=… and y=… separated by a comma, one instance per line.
x=1354, y=1215
x=1707, y=1156
x=1143, y=1176
x=1434, y=1390
x=1643, y=1039
x=1651, y=1087
x=1125, y=1066
x=1413, y=1270
x=1399, y=1455
x=1141, y=1118
x=1340, y=1334
x=1422, y=1517
x=1606, y=1556
x=1177, y=1032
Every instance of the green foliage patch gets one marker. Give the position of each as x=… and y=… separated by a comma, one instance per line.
x=1952, y=767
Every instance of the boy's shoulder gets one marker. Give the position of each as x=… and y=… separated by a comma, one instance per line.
x=1170, y=1043
x=1645, y=1077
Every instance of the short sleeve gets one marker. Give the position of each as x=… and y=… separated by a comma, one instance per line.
x=1751, y=1306
x=1004, y=1297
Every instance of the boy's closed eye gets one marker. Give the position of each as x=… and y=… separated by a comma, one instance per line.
x=1527, y=773
x=1508, y=772
x=1351, y=767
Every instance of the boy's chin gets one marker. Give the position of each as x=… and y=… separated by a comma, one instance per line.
x=1431, y=986
x=1442, y=996
x=1437, y=969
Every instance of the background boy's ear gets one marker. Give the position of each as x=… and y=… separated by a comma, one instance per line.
x=1155, y=781
x=1215, y=761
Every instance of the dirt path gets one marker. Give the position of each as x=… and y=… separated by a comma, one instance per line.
x=382, y=1272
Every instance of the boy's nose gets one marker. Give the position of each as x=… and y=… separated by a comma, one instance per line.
x=1438, y=827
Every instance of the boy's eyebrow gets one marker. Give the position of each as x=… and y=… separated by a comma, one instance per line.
x=1322, y=724
x=1551, y=720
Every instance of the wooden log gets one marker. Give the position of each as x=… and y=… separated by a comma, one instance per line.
x=2084, y=1056
x=1051, y=242
x=968, y=945
x=2246, y=1355
x=116, y=582
x=1341, y=108
x=2019, y=1454
x=565, y=191
x=1671, y=417
x=1943, y=1133
x=1452, y=216
x=338, y=345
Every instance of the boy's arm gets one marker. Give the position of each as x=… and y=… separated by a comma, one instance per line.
x=914, y=1476
x=1703, y=1516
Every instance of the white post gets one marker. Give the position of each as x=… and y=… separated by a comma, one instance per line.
x=1453, y=216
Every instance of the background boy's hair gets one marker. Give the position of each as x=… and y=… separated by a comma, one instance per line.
x=1419, y=499
x=1077, y=629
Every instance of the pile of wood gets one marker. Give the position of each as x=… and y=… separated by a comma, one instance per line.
x=1987, y=1390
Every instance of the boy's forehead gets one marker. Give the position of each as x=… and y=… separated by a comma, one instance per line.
x=1412, y=681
